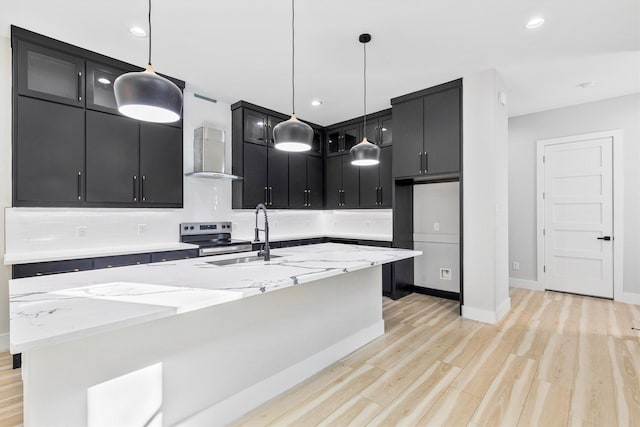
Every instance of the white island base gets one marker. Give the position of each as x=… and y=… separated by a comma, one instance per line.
x=204, y=367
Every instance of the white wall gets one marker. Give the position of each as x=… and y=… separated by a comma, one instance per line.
x=5, y=174
x=485, y=199
x=616, y=113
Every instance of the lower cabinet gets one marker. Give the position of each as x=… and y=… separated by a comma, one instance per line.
x=121, y=260
x=54, y=267
x=174, y=255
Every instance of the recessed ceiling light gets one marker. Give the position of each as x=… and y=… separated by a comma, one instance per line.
x=586, y=85
x=535, y=22
x=104, y=81
x=316, y=102
x=138, y=31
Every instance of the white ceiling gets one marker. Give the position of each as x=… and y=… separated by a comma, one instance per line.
x=240, y=49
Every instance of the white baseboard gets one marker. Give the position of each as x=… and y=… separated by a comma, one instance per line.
x=4, y=341
x=487, y=316
x=628, y=298
x=533, y=285
x=239, y=404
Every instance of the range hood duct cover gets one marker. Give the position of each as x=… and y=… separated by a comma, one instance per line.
x=209, y=153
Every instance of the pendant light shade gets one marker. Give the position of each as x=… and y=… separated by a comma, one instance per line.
x=147, y=96
x=365, y=153
x=293, y=135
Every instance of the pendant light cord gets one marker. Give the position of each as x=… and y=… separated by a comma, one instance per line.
x=364, y=45
x=293, y=56
x=149, y=32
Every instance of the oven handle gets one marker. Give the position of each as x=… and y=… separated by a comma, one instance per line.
x=224, y=250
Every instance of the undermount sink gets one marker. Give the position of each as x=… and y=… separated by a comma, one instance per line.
x=240, y=260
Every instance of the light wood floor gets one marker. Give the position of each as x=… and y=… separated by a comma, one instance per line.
x=555, y=360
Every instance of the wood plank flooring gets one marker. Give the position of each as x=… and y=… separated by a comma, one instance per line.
x=555, y=360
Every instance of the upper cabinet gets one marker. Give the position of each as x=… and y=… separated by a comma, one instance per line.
x=341, y=139
x=78, y=151
x=379, y=130
x=48, y=74
x=428, y=132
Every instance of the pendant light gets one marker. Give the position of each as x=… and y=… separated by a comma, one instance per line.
x=293, y=135
x=365, y=153
x=147, y=96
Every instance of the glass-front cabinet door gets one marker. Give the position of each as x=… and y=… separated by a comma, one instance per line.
x=255, y=127
x=316, y=144
x=100, y=80
x=48, y=74
x=351, y=137
x=333, y=141
x=371, y=131
x=386, y=130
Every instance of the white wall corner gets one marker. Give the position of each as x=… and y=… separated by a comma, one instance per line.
x=628, y=298
x=533, y=285
x=487, y=316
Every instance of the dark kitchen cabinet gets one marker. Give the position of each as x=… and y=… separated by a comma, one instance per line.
x=258, y=127
x=316, y=144
x=48, y=74
x=112, y=158
x=376, y=181
x=305, y=181
x=343, y=138
x=53, y=267
x=99, y=87
x=69, y=151
x=342, y=185
x=266, y=177
x=379, y=130
x=174, y=255
x=49, y=159
x=161, y=173
x=428, y=132
x=121, y=260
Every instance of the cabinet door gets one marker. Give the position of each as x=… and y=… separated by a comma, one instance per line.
x=333, y=187
x=255, y=127
x=48, y=74
x=333, y=141
x=386, y=181
x=350, y=183
x=254, y=185
x=121, y=260
x=49, y=144
x=112, y=158
x=369, y=186
x=442, y=131
x=160, y=165
x=278, y=178
x=350, y=136
x=297, y=180
x=273, y=121
x=385, y=132
x=314, y=181
x=408, y=144
x=371, y=131
x=316, y=144
x=100, y=80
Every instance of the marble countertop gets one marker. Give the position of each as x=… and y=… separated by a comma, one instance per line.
x=30, y=257
x=63, y=307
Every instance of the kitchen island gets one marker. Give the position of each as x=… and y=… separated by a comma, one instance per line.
x=190, y=342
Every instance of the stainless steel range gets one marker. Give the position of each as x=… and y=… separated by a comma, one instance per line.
x=213, y=238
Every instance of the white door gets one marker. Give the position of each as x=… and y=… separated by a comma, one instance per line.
x=578, y=217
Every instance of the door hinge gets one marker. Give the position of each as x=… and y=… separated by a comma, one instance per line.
x=544, y=231
x=544, y=268
x=544, y=158
x=544, y=195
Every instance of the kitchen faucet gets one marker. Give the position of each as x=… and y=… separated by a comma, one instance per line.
x=266, y=250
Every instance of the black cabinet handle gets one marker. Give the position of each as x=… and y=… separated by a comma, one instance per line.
x=79, y=86
x=607, y=238
x=420, y=154
x=266, y=196
x=135, y=185
x=142, y=188
x=79, y=185
x=426, y=162
x=270, y=196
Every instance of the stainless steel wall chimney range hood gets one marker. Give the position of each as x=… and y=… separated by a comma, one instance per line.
x=209, y=153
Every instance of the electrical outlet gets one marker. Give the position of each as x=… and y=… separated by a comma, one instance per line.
x=142, y=228
x=445, y=273
x=436, y=226
x=516, y=266
x=81, y=231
